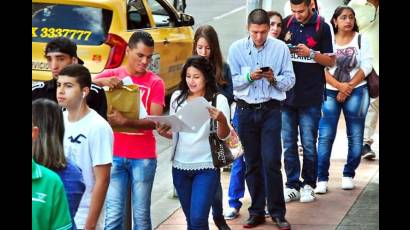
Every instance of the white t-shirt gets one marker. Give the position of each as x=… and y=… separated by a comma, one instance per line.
x=88, y=142
x=349, y=59
x=193, y=150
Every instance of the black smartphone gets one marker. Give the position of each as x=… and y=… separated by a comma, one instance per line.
x=265, y=69
x=292, y=48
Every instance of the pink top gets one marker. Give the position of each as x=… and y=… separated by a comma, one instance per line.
x=140, y=144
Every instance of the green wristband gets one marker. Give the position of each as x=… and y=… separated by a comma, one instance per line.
x=248, y=77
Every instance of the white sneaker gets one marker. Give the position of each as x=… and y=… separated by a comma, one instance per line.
x=347, y=183
x=291, y=194
x=321, y=187
x=231, y=213
x=307, y=194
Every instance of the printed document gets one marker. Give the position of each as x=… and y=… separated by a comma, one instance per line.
x=188, y=119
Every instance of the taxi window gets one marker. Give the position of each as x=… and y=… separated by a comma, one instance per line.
x=163, y=17
x=84, y=25
x=137, y=17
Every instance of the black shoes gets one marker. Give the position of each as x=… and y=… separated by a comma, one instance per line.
x=221, y=224
x=367, y=152
x=254, y=221
x=281, y=222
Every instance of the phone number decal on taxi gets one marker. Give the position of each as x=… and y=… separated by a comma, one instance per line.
x=46, y=32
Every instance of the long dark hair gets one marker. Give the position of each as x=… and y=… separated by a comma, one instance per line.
x=272, y=13
x=206, y=68
x=48, y=148
x=338, y=12
x=209, y=34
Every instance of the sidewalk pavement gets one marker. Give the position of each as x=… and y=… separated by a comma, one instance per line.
x=338, y=209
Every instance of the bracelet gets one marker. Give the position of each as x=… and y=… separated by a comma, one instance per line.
x=248, y=77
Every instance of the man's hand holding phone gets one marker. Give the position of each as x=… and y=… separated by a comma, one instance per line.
x=267, y=73
x=293, y=48
x=263, y=72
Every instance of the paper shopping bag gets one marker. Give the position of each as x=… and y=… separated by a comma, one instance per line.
x=126, y=100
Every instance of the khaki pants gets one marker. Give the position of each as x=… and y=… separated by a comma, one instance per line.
x=371, y=121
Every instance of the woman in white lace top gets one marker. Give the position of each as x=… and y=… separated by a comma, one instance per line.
x=194, y=175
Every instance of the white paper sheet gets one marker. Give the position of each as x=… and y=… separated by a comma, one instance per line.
x=188, y=119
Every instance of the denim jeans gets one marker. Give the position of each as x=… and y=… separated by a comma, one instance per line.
x=306, y=119
x=196, y=190
x=236, y=188
x=140, y=174
x=260, y=136
x=74, y=187
x=354, y=110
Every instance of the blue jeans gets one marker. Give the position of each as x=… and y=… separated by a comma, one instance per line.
x=260, y=136
x=354, y=110
x=74, y=187
x=236, y=188
x=306, y=119
x=196, y=190
x=140, y=173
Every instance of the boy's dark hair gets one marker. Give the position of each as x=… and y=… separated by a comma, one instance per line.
x=63, y=45
x=140, y=36
x=297, y=2
x=259, y=17
x=79, y=72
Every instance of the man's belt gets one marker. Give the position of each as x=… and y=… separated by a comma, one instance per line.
x=271, y=104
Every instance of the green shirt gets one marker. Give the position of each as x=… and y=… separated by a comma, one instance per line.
x=49, y=204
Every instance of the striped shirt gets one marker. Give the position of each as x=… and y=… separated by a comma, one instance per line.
x=244, y=58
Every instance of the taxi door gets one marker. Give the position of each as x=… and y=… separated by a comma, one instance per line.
x=172, y=41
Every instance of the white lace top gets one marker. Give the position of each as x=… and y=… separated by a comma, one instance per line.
x=193, y=151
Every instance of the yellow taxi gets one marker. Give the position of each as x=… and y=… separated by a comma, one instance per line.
x=101, y=29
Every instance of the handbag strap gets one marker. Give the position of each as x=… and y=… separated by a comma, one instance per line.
x=176, y=137
x=213, y=124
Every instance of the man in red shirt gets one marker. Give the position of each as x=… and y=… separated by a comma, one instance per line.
x=134, y=158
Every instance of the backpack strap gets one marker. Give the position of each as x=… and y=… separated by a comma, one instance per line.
x=317, y=23
x=359, y=41
x=289, y=21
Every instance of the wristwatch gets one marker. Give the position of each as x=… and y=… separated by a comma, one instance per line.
x=312, y=54
x=273, y=82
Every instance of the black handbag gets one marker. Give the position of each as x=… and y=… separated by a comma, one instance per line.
x=373, y=84
x=372, y=78
x=221, y=154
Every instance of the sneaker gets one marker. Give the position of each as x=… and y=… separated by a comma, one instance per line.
x=347, y=183
x=266, y=212
x=367, y=152
x=307, y=194
x=231, y=213
x=291, y=194
x=321, y=187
